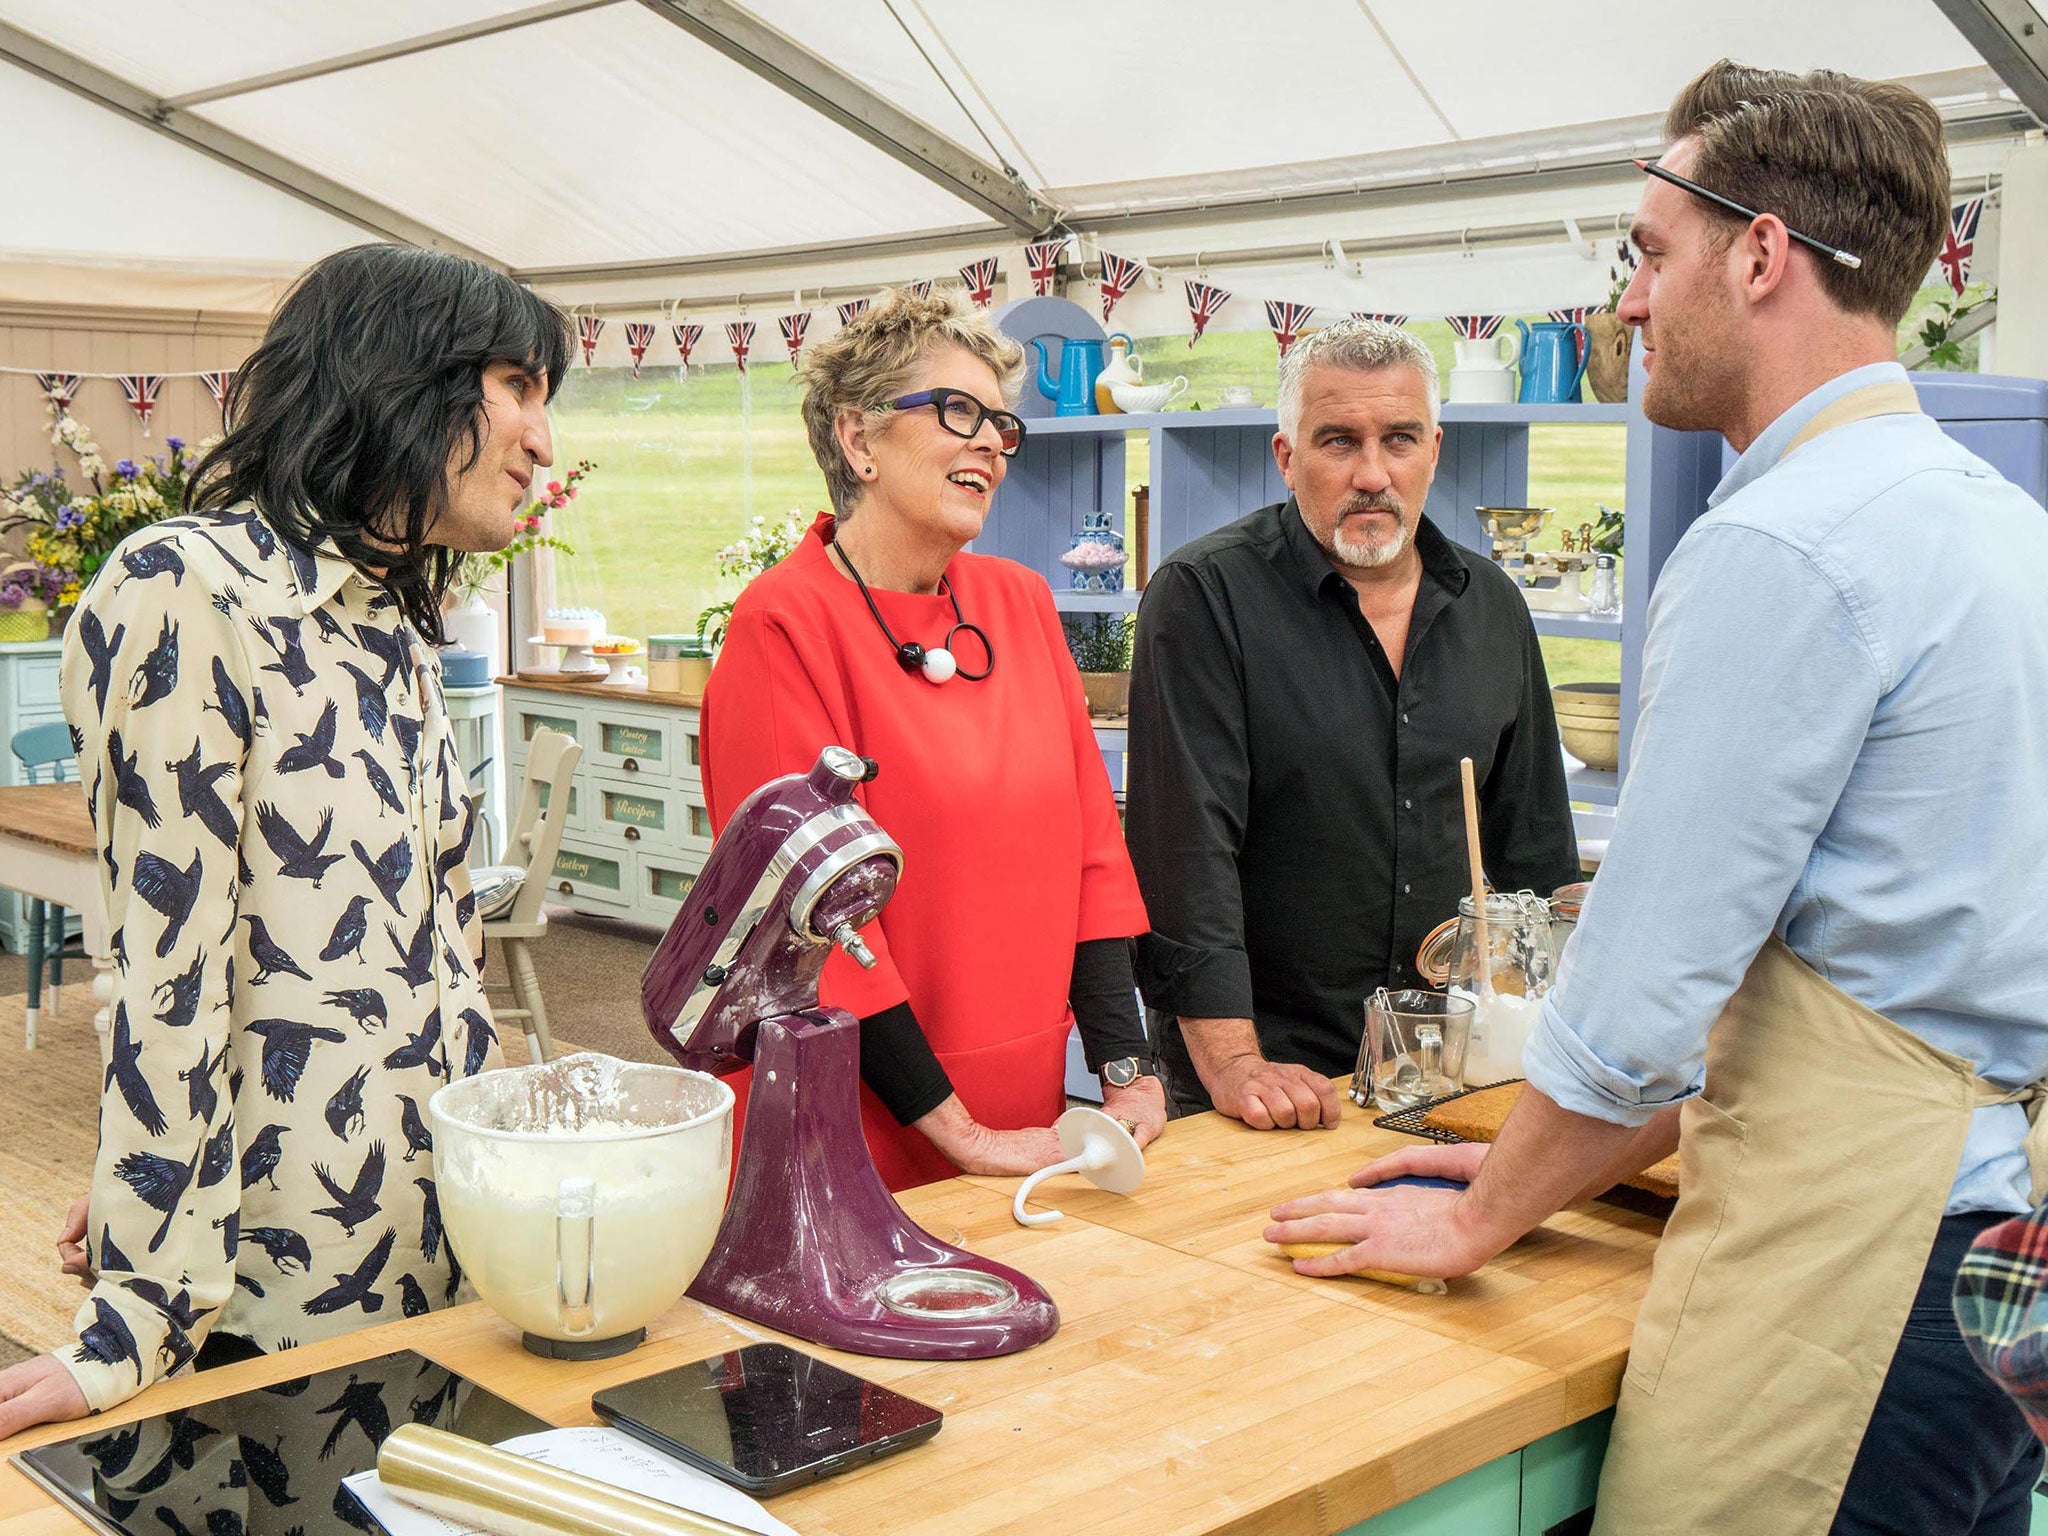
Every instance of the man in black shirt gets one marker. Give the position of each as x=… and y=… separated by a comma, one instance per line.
x=1305, y=682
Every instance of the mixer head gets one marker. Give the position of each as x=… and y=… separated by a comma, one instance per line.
x=799, y=869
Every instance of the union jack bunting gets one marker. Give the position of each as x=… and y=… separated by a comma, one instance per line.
x=1960, y=244
x=218, y=383
x=741, y=334
x=1382, y=316
x=1043, y=258
x=61, y=388
x=921, y=287
x=588, y=329
x=1474, y=327
x=1576, y=315
x=853, y=309
x=1204, y=299
x=686, y=336
x=1119, y=276
x=639, y=337
x=980, y=278
x=793, y=328
x=1286, y=319
x=141, y=390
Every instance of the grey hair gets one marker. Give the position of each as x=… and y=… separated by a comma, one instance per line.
x=1363, y=345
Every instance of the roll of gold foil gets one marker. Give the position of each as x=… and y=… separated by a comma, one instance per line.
x=495, y=1490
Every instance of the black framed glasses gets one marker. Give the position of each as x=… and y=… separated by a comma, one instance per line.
x=962, y=415
x=1832, y=252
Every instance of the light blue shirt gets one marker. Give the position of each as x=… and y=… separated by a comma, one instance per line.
x=1843, y=739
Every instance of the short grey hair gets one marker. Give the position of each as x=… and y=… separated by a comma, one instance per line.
x=1364, y=345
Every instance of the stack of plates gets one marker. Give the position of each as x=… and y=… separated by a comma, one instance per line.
x=1589, y=720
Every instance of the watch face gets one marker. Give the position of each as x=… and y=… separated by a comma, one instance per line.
x=1121, y=1074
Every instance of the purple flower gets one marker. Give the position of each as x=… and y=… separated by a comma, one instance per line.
x=69, y=517
x=175, y=444
x=11, y=594
x=125, y=468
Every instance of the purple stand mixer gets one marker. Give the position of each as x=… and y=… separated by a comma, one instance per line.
x=813, y=1243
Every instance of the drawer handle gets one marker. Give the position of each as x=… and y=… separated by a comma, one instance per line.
x=632, y=834
x=566, y=889
x=631, y=765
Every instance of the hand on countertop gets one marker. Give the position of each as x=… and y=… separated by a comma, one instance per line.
x=974, y=1148
x=1408, y=1230
x=38, y=1391
x=1273, y=1095
x=71, y=1252
x=1142, y=1103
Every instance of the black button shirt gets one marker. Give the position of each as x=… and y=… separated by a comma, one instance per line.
x=1294, y=809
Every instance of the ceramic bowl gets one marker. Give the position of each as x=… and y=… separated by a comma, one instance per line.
x=1134, y=399
x=1600, y=701
x=1596, y=743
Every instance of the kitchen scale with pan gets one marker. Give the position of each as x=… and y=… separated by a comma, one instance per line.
x=812, y=1243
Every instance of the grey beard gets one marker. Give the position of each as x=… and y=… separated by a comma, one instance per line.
x=1365, y=555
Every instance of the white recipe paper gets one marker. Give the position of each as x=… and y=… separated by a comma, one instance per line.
x=603, y=1455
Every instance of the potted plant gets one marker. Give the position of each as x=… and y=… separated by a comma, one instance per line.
x=28, y=591
x=1607, y=339
x=745, y=558
x=1101, y=647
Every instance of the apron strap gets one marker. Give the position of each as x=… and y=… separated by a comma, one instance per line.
x=1895, y=398
x=2030, y=1096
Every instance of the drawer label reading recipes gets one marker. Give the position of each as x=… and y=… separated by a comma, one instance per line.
x=634, y=810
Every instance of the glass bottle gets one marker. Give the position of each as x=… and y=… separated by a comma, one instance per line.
x=1505, y=983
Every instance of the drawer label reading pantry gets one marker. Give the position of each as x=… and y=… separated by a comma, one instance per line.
x=589, y=870
x=529, y=724
x=635, y=810
x=632, y=741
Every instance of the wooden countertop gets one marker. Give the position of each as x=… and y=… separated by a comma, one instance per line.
x=51, y=814
x=1197, y=1384
x=616, y=693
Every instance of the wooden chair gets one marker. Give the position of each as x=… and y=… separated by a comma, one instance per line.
x=44, y=752
x=531, y=843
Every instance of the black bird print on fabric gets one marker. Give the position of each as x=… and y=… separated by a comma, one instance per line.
x=259, y=1158
x=270, y=957
x=252, y=524
x=230, y=1228
x=418, y=1138
x=430, y=1218
x=253, y=1287
x=223, y=1522
x=412, y=1301
x=330, y=626
x=201, y=1095
x=284, y=1246
x=389, y=870
x=179, y=997
x=361, y=1405
x=388, y=646
x=287, y=1046
x=418, y=1050
x=482, y=1036
x=108, y=1256
x=99, y=651
x=169, y=889
x=363, y=1004
x=131, y=788
x=198, y=797
x=380, y=781
x=450, y=958
x=350, y=929
x=113, y=1453
x=416, y=960
x=358, y=1288
x=345, y=1107
x=152, y=560
x=358, y=1203
x=240, y=569
x=298, y=858
x=124, y=1054
x=159, y=1183
x=454, y=1278
x=372, y=708
x=305, y=569
x=226, y=601
x=408, y=731
x=229, y=704
x=108, y=1338
x=159, y=669
x=178, y=1314
x=290, y=650
x=316, y=747
x=217, y=1160
x=268, y=1473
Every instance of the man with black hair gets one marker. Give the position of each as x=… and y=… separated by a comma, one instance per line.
x=248, y=686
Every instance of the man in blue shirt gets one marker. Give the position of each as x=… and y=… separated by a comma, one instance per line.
x=1816, y=944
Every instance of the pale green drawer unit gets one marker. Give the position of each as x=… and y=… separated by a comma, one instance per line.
x=644, y=745
x=664, y=880
x=643, y=812
x=594, y=872
x=28, y=696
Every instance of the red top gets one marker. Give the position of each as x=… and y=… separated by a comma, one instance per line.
x=996, y=791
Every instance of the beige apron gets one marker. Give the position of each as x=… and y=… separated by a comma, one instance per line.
x=1813, y=1173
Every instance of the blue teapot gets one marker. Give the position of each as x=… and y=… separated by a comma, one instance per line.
x=1553, y=359
x=1072, y=389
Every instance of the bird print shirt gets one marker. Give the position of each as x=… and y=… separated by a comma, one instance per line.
x=283, y=831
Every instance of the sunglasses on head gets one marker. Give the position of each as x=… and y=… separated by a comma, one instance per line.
x=962, y=415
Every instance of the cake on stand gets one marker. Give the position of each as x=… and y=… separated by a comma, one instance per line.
x=572, y=631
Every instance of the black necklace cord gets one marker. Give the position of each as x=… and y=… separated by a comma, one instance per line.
x=911, y=656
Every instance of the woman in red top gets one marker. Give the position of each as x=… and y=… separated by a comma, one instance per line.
x=951, y=671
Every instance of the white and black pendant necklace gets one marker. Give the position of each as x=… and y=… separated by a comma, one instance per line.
x=940, y=664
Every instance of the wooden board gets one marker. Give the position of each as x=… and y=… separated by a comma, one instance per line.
x=52, y=814
x=1479, y=1117
x=616, y=693
x=1195, y=1384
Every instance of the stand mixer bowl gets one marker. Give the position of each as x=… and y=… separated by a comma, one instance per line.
x=581, y=1196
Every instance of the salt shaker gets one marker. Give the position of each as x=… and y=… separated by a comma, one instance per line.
x=1604, y=601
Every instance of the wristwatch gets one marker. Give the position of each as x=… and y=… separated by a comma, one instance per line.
x=1126, y=1070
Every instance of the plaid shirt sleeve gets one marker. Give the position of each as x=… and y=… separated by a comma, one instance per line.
x=2001, y=1304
